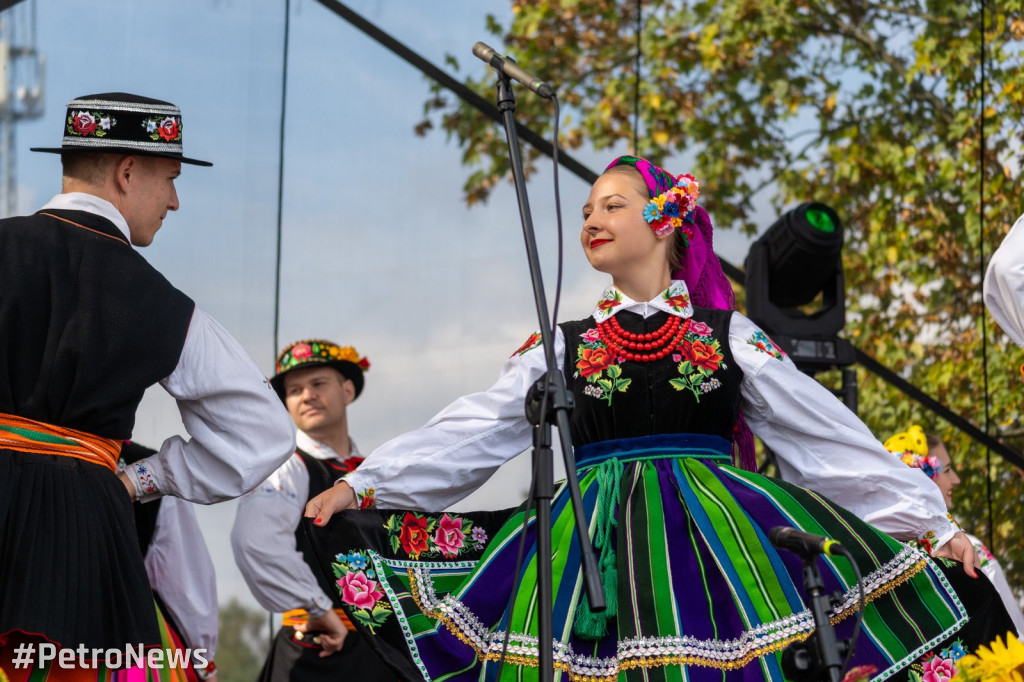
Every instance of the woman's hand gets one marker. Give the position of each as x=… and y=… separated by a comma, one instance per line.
x=322, y=507
x=959, y=547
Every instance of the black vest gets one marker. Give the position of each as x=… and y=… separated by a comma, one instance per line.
x=86, y=324
x=672, y=395
x=322, y=475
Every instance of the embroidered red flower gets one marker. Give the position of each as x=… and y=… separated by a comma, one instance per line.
x=413, y=536
x=364, y=364
x=302, y=350
x=678, y=301
x=860, y=673
x=449, y=537
x=169, y=128
x=84, y=123
x=532, y=341
x=358, y=590
x=607, y=304
x=701, y=355
x=593, y=360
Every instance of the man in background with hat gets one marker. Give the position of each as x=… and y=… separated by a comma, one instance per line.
x=86, y=326
x=317, y=380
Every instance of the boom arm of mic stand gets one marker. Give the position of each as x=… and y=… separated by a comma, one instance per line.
x=559, y=401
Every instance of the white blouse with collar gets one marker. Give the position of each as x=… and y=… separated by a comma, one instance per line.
x=820, y=444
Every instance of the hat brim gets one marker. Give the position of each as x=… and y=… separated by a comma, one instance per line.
x=349, y=370
x=116, y=150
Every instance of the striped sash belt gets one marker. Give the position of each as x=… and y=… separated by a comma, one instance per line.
x=28, y=435
x=292, y=618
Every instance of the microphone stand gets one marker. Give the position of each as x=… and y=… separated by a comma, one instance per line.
x=821, y=656
x=549, y=392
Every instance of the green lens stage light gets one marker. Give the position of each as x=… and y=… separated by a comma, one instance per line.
x=794, y=266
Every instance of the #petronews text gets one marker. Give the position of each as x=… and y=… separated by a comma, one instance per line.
x=131, y=657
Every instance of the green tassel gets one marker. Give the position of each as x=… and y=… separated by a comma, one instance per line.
x=587, y=624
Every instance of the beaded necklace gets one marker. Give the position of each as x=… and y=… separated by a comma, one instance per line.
x=647, y=347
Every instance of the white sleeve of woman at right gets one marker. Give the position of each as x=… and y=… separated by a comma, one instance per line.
x=1004, y=283
x=455, y=452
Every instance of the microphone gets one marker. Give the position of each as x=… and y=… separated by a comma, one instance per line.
x=508, y=67
x=806, y=545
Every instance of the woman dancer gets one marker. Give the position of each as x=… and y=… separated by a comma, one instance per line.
x=661, y=373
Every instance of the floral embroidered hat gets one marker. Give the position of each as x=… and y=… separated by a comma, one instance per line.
x=911, y=446
x=316, y=353
x=117, y=122
x=673, y=199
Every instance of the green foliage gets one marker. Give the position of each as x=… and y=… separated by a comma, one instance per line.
x=243, y=643
x=874, y=107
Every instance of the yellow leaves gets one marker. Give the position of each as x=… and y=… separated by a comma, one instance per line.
x=653, y=100
x=1017, y=29
x=830, y=104
x=660, y=138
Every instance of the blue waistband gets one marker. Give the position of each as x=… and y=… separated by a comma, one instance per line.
x=662, y=446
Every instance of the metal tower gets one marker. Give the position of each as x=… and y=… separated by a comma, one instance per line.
x=22, y=77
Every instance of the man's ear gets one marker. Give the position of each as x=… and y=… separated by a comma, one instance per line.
x=350, y=390
x=125, y=170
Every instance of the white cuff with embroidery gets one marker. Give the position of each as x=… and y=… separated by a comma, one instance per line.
x=145, y=475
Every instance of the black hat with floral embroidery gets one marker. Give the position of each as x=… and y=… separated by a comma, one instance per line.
x=117, y=122
x=319, y=353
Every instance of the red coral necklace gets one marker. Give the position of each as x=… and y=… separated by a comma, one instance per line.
x=643, y=347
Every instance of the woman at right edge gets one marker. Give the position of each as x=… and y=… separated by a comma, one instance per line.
x=665, y=388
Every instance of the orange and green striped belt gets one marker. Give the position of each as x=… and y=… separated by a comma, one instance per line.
x=295, y=616
x=29, y=435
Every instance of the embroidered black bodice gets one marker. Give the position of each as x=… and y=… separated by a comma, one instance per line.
x=695, y=389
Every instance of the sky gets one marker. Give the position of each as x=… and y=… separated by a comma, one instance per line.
x=379, y=249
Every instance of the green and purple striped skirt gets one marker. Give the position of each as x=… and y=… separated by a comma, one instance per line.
x=695, y=590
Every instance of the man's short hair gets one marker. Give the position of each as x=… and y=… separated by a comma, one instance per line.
x=90, y=167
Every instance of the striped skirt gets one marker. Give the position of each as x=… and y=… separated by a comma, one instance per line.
x=695, y=590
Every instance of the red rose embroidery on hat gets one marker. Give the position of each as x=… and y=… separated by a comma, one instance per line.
x=84, y=123
x=169, y=128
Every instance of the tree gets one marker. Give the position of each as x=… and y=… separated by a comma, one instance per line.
x=243, y=643
x=874, y=107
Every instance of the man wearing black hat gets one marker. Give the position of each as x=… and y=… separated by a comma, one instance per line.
x=86, y=326
x=317, y=380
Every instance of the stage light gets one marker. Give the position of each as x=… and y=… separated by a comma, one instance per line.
x=796, y=288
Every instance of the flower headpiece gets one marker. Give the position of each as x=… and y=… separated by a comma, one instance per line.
x=911, y=447
x=673, y=198
x=320, y=352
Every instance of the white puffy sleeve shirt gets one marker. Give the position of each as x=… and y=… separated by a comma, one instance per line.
x=263, y=536
x=819, y=442
x=239, y=431
x=1004, y=283
x=181, y=572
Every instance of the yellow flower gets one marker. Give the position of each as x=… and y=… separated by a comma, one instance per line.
x=998, y=662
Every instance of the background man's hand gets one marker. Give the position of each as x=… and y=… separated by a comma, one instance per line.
x=331, y=632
